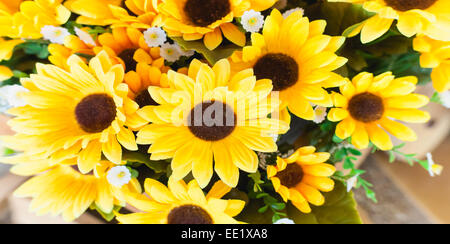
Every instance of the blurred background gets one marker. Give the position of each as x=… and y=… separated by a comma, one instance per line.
x=406, y=195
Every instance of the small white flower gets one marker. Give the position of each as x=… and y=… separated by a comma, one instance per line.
x=9, y=97
x=118, y=176
x=445, y=99
x=252, y=21
x=54, y=34
x=170, y=52
x=285, y=221
x=155, y=36
x=85, y=37
x=280, y=4
x=186, y=53
x=290, y=11
x=352, y=182
x=433, y=169
x=321, y=114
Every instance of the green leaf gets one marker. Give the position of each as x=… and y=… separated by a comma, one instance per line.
x=223, y=51
x=354, y=151
x=7, y=152
x=107, y=216
x=278, y=206
x=263, y=209
x=137, y=157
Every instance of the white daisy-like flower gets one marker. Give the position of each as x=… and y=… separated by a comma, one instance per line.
x=445, y=99
x=85, y=37
x=351, y=182
x=321, y=114
x=155, y=36
x=280, y=4
x=54, y=34
x=9, y=97
x=285, y=221
x=433, y=169
x=170, y=52
x=118, y=176
x=252, y=21
x=290, y=11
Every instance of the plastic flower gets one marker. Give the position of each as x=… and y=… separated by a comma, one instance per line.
x=252, y=21
x=85, y=36
x=321, y=114
x=5, y=73
x=369, y=102
x=117, y=13
x=9, y=95
x=197, y=19
x=62, y=190
x=7, y=10
x=187, y=132
x=127, y=45
x=28, y=20
x=6, y=52
x=154, y=36
x=429, y=17
x=80, y=113
x=435, y=55
x=290, y=11
x=297, y=57
x=54, y=34
x=300, y=177
x=182, y=203
x=433, y=169
x=445, y=99
x=170, y=52
x=118, y=176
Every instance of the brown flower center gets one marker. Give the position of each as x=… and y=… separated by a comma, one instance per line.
x=143, y=99
x=366, y=107
x=95, y=113
x=212, y=121
x=127, y=57
x=205, y=12
x=189, y=214
x=280, y=68
x=291, y=175
x=405, y=5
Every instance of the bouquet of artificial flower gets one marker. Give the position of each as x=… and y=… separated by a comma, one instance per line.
x=213, y=111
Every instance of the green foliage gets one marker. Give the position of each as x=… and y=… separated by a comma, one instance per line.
x=107, y=216
x=38, y=48
x=436, y=98
x=137, y=157
x=411, y=158
x=256, y=177
x=8, y=152
x=223, y=51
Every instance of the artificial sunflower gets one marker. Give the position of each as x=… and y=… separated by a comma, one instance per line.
x=298, y=58
x=183, y=127
x=182, y=203
x=27, y=19
x=127, y=46
x=435, y=55
x=82, y=112
x=369, y=102
x=300, y=177
x=62, y=189
x=117, y=13
x=197, y=19
x=6, y=52
x=429, y=17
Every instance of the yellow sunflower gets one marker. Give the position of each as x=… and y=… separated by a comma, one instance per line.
x=197, y=19
x=127, y=46
x=6, y=52
x=117, y=13
x=435, y=55
x=302, y=176
x=62, y=189
x=182, y=203
x=183, y=127
x=297, y=57
x=5, y=73
x=429, y=17
x=27, y=20
x=369, y=102
x=82, y=112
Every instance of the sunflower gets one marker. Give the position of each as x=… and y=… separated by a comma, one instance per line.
x=182, y=203
x=302, y=176
x=62, y=189
x=27, y=20
x=183, y=128
x=117, y=13
x=435, y=55
x=297, y=57
x=369, y=102
x=127, y=46
x=6, y=52
x=429, y=17
x=197, y=19
x=82, y=112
